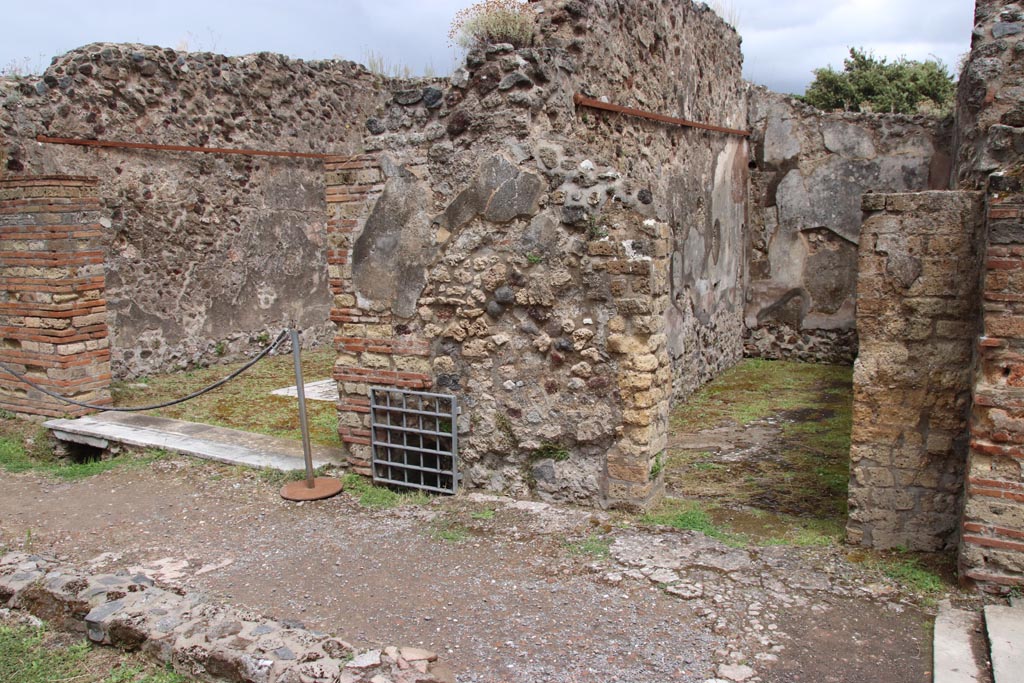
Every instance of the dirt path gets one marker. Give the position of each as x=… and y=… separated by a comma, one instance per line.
x=527, y=593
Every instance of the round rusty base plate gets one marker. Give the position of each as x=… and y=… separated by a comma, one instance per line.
x=323, y=487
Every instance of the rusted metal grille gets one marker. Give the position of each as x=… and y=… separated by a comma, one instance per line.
x=415, y=439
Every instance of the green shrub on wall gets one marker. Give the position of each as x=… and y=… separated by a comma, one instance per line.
x=869, y=83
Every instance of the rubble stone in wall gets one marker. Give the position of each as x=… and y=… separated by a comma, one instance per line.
x=990, y=117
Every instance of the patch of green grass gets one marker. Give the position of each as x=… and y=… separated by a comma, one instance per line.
x=486, y=513
x=909, y=573
x=370, y=496
x=595, y=546
x=16, y=457
x=244, y=403
x=35, y=655
x=801, y=470
x=754, y=389
x=126, y=673
x=689, y=516
x=25, y=659
x=804, y=533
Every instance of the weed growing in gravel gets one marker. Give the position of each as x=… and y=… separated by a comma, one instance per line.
x=596, y=546
x=452, y=534
x=486, y=513
x=370, y=496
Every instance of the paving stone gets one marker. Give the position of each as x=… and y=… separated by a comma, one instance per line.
x=735, y=672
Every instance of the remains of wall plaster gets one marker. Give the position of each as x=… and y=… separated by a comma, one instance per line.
x=564, y=273
x=811, y=169
x=209, y=255
x=917, y=318
x=53, y=314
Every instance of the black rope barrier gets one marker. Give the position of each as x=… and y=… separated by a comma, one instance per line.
x=134, y=409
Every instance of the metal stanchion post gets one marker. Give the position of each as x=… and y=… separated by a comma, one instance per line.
x=313, y=488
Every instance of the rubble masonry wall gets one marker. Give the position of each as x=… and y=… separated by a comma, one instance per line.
x=564, y=272
x=207, y=256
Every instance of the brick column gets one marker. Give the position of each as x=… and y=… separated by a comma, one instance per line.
x=372, y=349
x=992, y=545
x=917, y=317
x=52, y=311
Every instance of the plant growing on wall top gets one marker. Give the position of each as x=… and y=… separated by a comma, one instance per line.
x=492, y=21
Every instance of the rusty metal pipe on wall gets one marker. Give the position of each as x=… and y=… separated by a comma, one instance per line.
x=582, y=101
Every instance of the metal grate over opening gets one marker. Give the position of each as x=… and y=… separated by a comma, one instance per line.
x=414, y=439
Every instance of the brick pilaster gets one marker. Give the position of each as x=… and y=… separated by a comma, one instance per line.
x=372, y=349
x=52, y=307
x=639, y=283
x=992, y=534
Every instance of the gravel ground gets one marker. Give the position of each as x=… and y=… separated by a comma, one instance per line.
x=528, y=593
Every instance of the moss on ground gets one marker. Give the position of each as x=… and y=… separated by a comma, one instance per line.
x=794, y=489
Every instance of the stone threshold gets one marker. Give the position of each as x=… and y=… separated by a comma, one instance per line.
x=219, y=444
x=957, y=631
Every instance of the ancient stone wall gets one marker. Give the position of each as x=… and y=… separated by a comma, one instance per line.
x=195, y=636
x=990, y=110
x=810, y=169
x=917, y=317
x=209, y=255
x=565, y=273
x=53, y=314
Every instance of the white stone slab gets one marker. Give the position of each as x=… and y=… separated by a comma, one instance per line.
x=1005, y=626
x=190, y=438
x=953, y=658
x=321, y=390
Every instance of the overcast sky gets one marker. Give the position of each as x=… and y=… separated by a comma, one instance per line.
x=783, y=40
